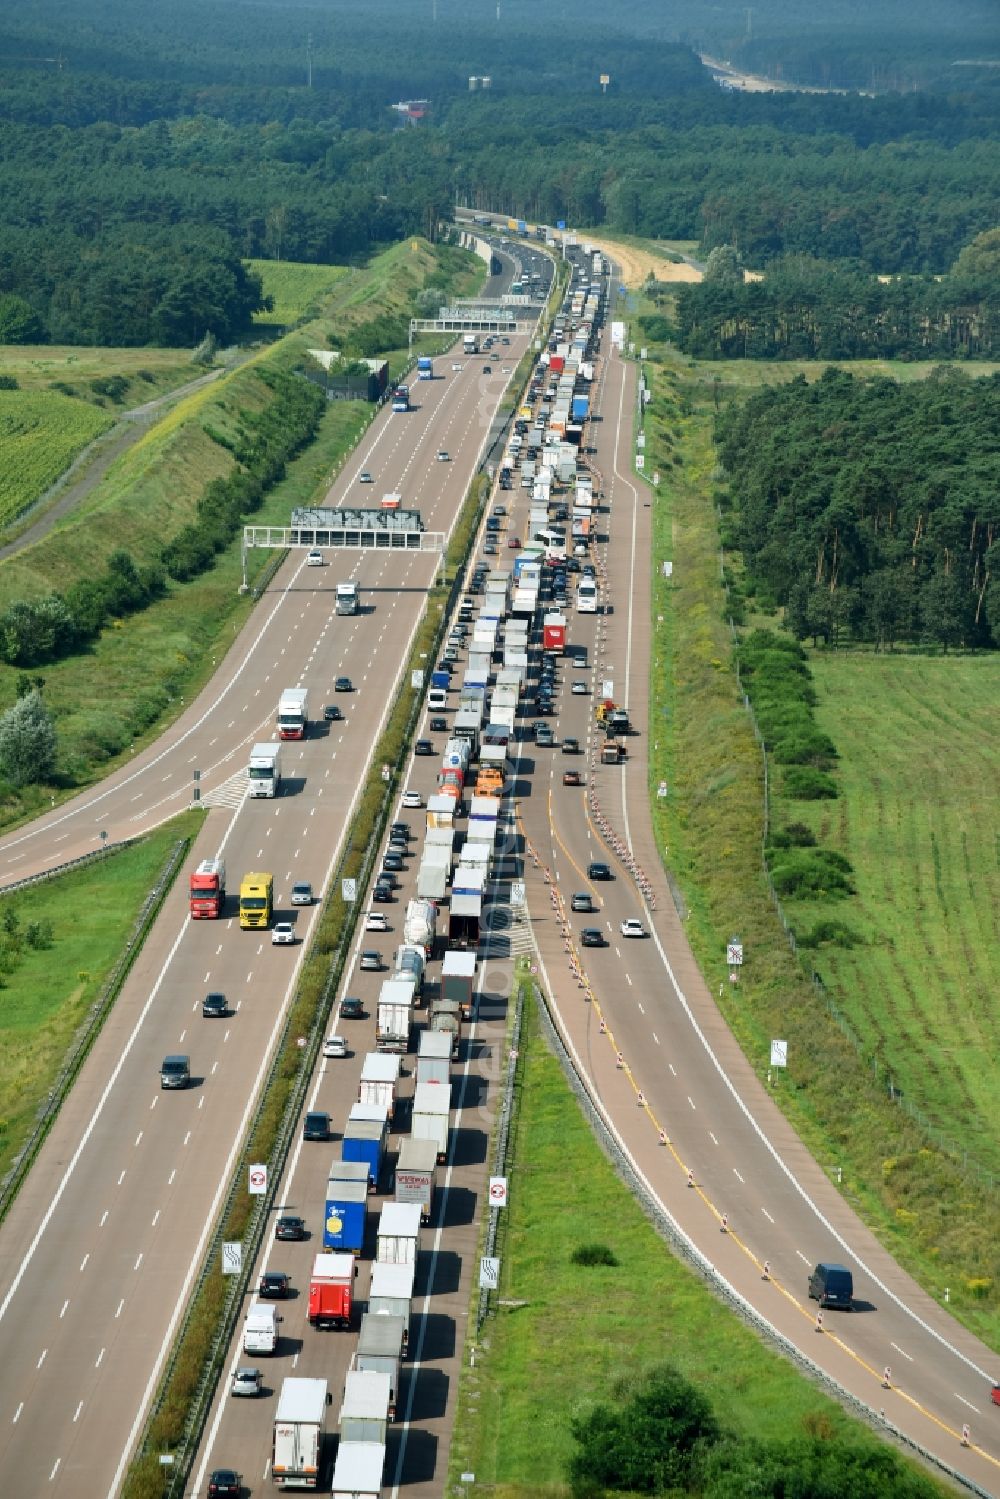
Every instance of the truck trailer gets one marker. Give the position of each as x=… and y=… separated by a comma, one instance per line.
x=416, y=1174
x=331, y=1290
x=293, y=713
x=345, y=1216
x=431, y=1116
x=398, y=1234
x=358, y=1471
x=207, y=890
x=299, y=1427
x=264, y=770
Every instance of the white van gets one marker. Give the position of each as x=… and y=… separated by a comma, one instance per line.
x=437, y=699
x=260, y=1331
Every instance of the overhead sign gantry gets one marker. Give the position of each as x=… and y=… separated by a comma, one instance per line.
x=346, y=530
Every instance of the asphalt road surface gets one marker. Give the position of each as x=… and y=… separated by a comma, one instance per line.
x=681, y=1071
x=102, y=1245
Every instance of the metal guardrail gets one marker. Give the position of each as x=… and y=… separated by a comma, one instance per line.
x=669, y=1230
x=90, y=1028
x=502, y=1146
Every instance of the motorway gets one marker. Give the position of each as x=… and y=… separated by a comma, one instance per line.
x=757, y=1196
x=102, y=1245
x=104, y=1240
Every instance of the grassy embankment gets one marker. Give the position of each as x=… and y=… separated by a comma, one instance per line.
x=570, y=1331
x=936, y=1220
x=139, y=673
x=53, y=966
x=40, y=435
x=299, y=290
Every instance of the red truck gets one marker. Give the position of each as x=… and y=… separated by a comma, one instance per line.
x=208, y=889
x=554, y=634
x=331, y=1290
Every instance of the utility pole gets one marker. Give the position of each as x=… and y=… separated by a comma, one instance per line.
x=309, y=61
x=749, y=12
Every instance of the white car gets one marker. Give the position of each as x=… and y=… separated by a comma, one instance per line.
x=376, y=922
x=443, y=456
x=314, y=559
x=283, y=934
x=412, y=799
x=580, y=689
x=456, y=369
x=630, y=927
x=335, y=1046
x=302, y=893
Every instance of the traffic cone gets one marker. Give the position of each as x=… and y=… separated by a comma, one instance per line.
x=819, y=1321
x=724, y=1225
x=766, y=1272
x=620, y=1061
x=690, y=1178
x=887, y=1378
x=641, y=1100
x=663, y=1137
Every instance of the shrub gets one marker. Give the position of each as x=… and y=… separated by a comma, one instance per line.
x=593, y=1254
x=792, y=835
x=804, y=784
x=810, y=872
x=9, y=382
x=829, y=934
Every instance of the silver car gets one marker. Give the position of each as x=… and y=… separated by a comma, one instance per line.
x=247, y=1382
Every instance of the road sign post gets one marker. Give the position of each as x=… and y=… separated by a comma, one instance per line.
x=232, y=1257
x=498, y=1191
x=257, y=1180
x=489, y=1273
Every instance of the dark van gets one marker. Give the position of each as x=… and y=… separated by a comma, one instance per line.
x=832, y=1285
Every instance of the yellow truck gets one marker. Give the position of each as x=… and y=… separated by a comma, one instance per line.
x=256, y=900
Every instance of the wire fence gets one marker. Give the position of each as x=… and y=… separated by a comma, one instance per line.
x=670, y=1231
x=983, y=1175
x=91, y=1026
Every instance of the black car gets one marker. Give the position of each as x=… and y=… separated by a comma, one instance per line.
x=382, y=892
x=351, y=1008
x=592, y=936
x=290, y=1227
x=439, y=725
x=392, y=863
x=445, y=665
x=214, y=1005
x=316, y=1125
x=332, y=713
x=399, y=830
x=274, y=1285
x=423, y=747
x=598, y=870
x=388, y=877
x=225, y=1483
x=343, y=684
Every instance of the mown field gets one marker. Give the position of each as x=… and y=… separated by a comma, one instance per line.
x=47, y=989
x=146, y=372
x=571, y=1330
x=40, y=435
x=917, y=816
x=296, y=288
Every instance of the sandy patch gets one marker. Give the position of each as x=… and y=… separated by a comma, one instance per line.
x=637, y=264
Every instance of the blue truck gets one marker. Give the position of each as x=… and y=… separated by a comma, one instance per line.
x=346, y=1215
x=425, y=367
x=581, y=405
x=364, y=1140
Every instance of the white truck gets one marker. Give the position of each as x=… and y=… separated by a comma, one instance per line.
x=433, y=1064
x=380, y=1080
x=293, y=713
x=358, y=1470
x=470, y=343
x=420, y=925
x=394, y=1015
x=431, y=1116
x=347, y=598
x=299, y=1427
x=365, y=1411
x=391, y=1294
x=264, y=771
x=398, y=1236
x=416, y=1173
